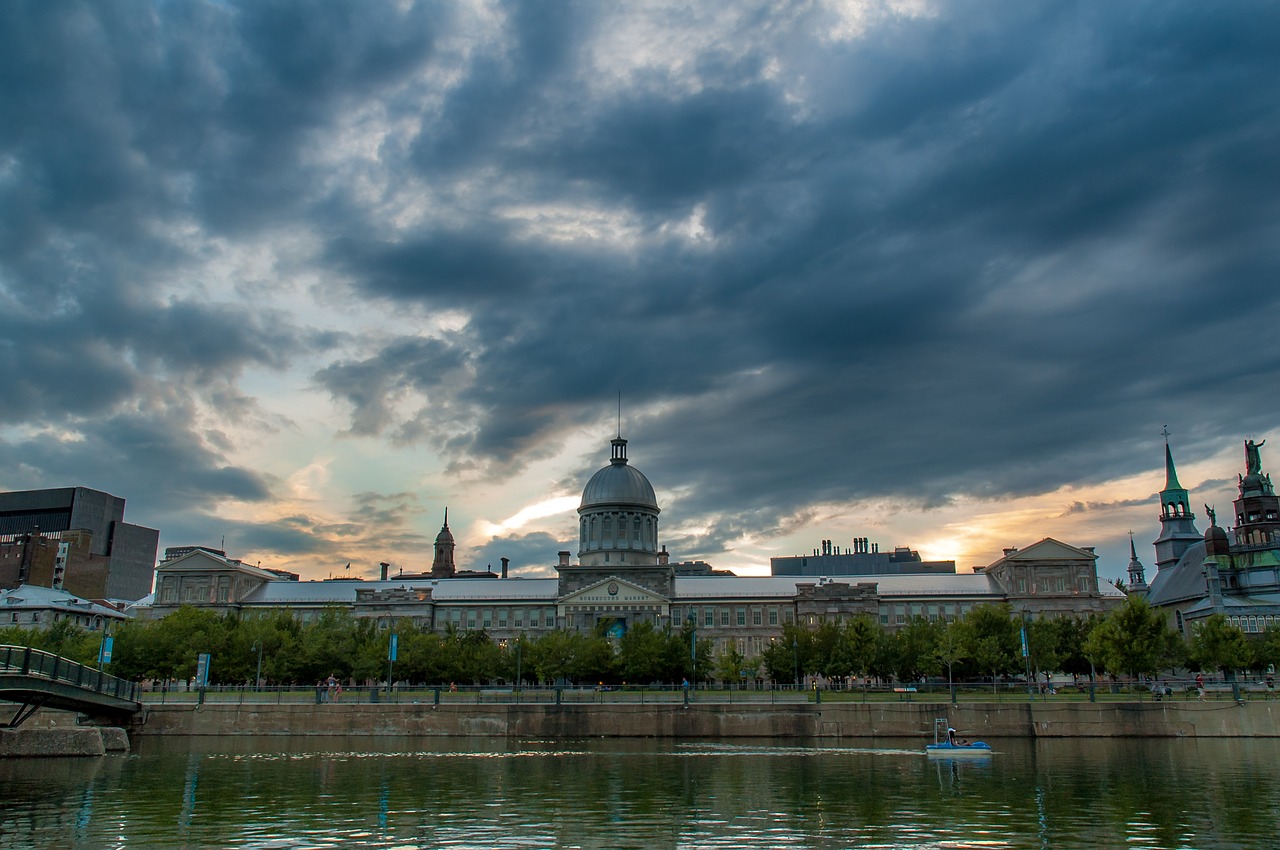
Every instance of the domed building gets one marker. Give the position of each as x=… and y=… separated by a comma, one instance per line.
x=623, y=577
x=621, y=573
x=618, y=517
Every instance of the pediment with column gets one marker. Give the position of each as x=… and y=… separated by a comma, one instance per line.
x=614, y=593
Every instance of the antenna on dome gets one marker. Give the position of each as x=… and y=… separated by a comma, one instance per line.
x=619, y=413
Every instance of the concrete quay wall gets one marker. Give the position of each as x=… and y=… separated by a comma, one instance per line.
x=709, y=721
x=62, y=741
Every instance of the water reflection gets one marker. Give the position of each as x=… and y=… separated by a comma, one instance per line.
x=317, y=793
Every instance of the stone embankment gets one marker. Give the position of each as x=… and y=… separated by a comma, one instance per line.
x=59, y=739
x=1225, y=719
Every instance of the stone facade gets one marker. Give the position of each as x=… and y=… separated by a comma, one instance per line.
x=624, y=577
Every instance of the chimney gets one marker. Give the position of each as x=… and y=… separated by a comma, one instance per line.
x=505, y=561
x=663, y=557
x=564, y=558
x=385, y=566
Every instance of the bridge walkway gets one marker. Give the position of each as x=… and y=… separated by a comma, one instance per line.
x=36, y=679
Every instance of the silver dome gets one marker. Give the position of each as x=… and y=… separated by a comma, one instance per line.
x=619, y=484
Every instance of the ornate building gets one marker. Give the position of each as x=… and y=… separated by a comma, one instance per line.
x=1235, y=571
x=624, y=576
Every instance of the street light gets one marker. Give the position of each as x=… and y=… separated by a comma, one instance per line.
x=795, y=660
x=693, y=648
x=257, y=680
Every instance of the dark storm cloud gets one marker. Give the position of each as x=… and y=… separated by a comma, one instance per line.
x=988, y=252
x=991, y=267
x=150, y=457
x=531, y=555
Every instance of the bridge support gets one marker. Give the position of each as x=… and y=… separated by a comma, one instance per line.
x=24, y=712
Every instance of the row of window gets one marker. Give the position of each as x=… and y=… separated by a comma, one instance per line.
x=595, y=529
x=1256, y=625
x=1058, y=584
x=89, y=622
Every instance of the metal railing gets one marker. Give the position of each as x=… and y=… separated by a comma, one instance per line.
x=45, y=665
x=181, y=692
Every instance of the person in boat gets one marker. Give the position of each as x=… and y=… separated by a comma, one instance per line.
x=951, y=735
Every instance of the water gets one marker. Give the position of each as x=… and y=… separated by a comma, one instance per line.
x=481, y=793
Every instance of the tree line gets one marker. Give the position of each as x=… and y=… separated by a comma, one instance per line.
x=987, y=643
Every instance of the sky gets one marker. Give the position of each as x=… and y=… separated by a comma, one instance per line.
x=294, y=278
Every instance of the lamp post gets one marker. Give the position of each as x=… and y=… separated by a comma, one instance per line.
x=257, y=680
x=795, y=660
x=693, y=649
x=518, y=643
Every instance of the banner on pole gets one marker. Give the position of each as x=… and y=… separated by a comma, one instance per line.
x=202, y=670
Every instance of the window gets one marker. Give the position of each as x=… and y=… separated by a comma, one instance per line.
x=1022, y=585
x=709, y=617
x=742, y=616
x=517, y=616
x=900, y=618
x=724, y=618
x=773, y=616
x=635, y=529
x=502, y=618
x=757, y=617
x=608, y=528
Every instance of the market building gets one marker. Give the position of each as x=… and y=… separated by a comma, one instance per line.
x=624, y=576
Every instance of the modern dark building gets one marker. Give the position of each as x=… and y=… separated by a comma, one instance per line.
x=75, y=538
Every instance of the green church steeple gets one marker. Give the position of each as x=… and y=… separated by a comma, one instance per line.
x=1177, y=522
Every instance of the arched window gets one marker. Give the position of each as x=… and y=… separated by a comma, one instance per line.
x=635, y=529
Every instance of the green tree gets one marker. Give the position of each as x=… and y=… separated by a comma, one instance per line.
x=1042, y=646
x=1267, y=649
x=1133, y=639
x=953, y=646
x=915, y=649
x=995, y=642
x=1216, y=644
x=1071, y=637
x=729, y=666
x=643, y=654
x=862, y=638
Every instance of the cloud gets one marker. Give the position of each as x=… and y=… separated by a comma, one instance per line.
x=912, y=256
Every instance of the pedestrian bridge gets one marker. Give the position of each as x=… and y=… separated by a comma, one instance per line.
x=35, y=679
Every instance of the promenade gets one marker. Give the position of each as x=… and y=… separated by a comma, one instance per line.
x=665, y=714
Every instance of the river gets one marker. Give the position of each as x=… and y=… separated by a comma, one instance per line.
x=649, y=794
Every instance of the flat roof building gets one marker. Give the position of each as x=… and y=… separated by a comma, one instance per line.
x=76, y=538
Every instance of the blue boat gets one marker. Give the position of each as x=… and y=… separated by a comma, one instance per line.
x=946, y=744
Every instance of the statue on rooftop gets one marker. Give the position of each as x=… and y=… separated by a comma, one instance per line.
x=1252, y=457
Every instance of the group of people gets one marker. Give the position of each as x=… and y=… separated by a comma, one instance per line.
x=328, y=690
